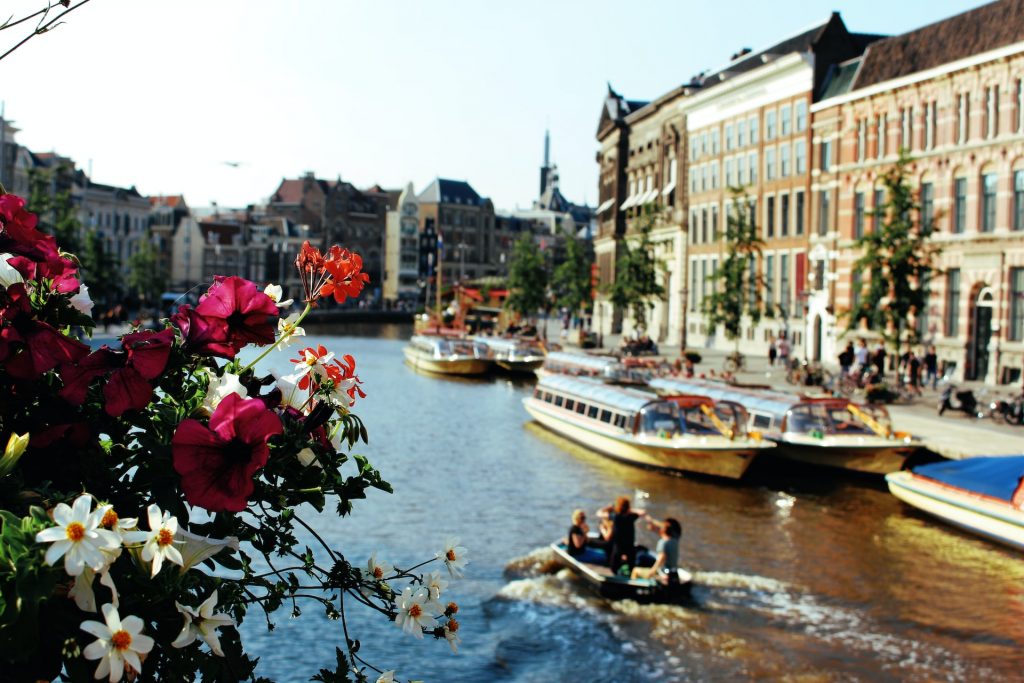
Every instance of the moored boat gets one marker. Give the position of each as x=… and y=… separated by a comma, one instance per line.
x=829, y=431
x=577, y=364
x=514, y=354
x=616, y=587
x=447, y=355
x=982, y=495
x=680, y=434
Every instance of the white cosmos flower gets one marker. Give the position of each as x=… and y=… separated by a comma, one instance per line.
x=435, y=583
x=195, y=549
x=119, y=642
x=275, y=293
x=202, y=623
x=454, y=556
x=288, y=331
x=78, y=537
x=9, y=275
x=81, y=301
x=377, y=569
x=451, y=634
x=413, y=612
x=387, y=677
x=159, y=540
x=313, y=364
x=291, y=395
x=220, y=388
x=83, y=594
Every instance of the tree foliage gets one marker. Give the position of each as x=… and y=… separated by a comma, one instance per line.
x=527, y=278
x=101, y=271
x=50, y=198
x=897, y=261
x=636, y=273
x=734, y=294
x=146, y=276
x=571, y=279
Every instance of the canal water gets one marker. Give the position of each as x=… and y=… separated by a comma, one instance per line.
x=800, y=575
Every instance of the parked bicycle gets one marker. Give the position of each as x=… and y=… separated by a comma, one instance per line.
x=734, y=362
x=808, y=374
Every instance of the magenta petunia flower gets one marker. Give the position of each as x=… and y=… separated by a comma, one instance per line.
x=217, y=462
x=250, y=314
x=202, y=335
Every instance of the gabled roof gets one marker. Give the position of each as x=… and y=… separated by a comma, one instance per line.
x=291, y=190
x=113, y=189
x=616, y=107
x=444, y=191
x=979, y=30
x=167, y=201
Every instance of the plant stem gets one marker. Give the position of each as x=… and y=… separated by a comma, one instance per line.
x=276, y=344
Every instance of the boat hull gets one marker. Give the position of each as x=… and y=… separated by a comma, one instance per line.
x=873, y=458
x=716, y=456
x=615, y=587
x=457, y=366
x=996, y=520
x=524, y=366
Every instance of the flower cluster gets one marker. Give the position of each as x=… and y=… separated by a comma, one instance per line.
x=172, y=426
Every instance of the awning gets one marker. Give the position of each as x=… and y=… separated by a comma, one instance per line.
x=647, y=197
x=630, y=201
x=668, y=188
x=605, y=205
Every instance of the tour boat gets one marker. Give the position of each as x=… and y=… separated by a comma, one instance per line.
x=681, y=434
x=983, y=495
x=615, y=587
x=514, y=355
x=828, y=431
x=447, y=355
x=577, y=364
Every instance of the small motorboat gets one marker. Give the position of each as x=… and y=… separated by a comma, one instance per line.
x=447, y=355
x=514, y=354
x=614, y=587
x=982, y=495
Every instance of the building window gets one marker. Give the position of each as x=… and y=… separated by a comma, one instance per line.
x=963, y=115
x=800, y=152
x=770, y=118
x=729, y=179
x=786, y=120
x=752, y=167
x=784, y=285
x=752, y=283
x=879, y=211
x=801, y=116
x=694, y=147
x=741, y=133
x=704, y=226
x=824, y=200
x=1016, y=304
x=728, y=137
x=952, y=324
x=1018, y=200
x=991, y=111
x=741, y=171
x=703, y=280
x=799, y=212
x=960, y=205
x=753, y=130
x=714, y=141
x=927, y=206
x=826, y=155
x=714, y=223
x=929, y=125
x=1020, y=105
x=693, y=284
x=769, y=284
x=988, y=202
x=819, y=275
x=784, y=160
x=769, y=217
x=906, y=128
x=784, y=215
x=769, y=164
x=881, y=133
x=714, y=175
x=858, y=215
x=862, y=139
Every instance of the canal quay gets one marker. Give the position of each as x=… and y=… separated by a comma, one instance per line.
x=801, y=574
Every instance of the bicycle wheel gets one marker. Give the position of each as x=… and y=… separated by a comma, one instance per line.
x=795, y=376
x=731, y=365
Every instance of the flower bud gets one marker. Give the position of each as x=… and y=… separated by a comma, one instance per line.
x=16, y=446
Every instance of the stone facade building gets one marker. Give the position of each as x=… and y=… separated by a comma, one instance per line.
x=465, y=221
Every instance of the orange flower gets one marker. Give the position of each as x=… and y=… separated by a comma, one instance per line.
x=347, y=278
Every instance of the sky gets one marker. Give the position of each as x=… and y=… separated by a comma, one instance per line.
x=161, y=93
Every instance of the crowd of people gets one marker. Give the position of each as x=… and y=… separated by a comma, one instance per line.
x=916, y=367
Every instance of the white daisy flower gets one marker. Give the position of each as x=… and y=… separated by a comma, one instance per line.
x=78, y=537
x=81, y=301
x=119, y=643
x=275, y=292
x=287, y=330
x=202, y=623
x=435, y=583
x=291, y=395
x=158, y=542
x=9, y=275
x=413, y=612
x=377, y=569
x=220, y=388
x=454, y=556
x=387, y=677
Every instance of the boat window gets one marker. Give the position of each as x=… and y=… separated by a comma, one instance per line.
x=538, y=394
x=570, y=404
x=845, y=421
x=606, y=416
x=620, y=421
x=695, y=421
x=558, y=401
x=581, y=407
x=807, y=419
x=762, y=421
x=592, y=412
x=547, y=397
x=660, y=419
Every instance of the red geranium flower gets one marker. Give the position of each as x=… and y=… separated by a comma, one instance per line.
x=217, y=462
x=249, y=313
x=346, y=277
x=313, y=274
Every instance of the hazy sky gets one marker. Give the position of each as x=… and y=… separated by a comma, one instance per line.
x=160, y=93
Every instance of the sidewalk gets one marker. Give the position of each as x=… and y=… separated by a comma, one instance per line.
x=953, y=435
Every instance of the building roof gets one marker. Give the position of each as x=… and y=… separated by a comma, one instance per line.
x=167, y=201
x=444, y=191
x=841, y=78
x=979, y=30
x=113, y=189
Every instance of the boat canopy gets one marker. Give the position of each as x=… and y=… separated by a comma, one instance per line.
x=995, y=476
x=752, y=398
x=581, y=360
x=627, y=400
x=449, y=346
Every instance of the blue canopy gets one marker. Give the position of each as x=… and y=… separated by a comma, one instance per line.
x=993, y=476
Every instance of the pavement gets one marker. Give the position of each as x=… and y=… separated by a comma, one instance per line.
x=953, y=435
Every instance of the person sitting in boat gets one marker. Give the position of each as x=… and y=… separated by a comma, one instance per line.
x=622, y=542
x=578, y=544
x=667, y=552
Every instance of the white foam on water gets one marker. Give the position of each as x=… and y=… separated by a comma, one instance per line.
x=561, y=590
x=733, y=580
x=535, y=563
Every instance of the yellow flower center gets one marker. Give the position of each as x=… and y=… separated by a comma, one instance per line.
x=109, y=520
x=164, y=537
x=453, y=625
x=415, y=611
x=378, y=573
x=450, y=555
x=121, y=640
x=75, y=531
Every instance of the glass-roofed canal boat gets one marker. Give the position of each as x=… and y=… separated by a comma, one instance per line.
x=830, y=431
x=447, y=355
x=514, y=355
x=681, y=434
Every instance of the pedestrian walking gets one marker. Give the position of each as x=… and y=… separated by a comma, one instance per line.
x=878, y=358
x=783, y=350
x=914, y=372
x=860, y=356
x=846, y=358
x=931, y=367
x=773, y=352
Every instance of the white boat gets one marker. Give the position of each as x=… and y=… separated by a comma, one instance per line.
x=577, y=365
x=681, y=434
x=447, y=355
x=982, y=495
x=615, y=587
x=514, y=355
x=829, y=431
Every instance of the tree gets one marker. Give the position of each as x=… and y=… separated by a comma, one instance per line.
x=56, y=209
x=897, y=261
x=571, y=279
x=100, y=271
x=527, y=278
x=146, y=276
x=737, y=285
x=636, y=273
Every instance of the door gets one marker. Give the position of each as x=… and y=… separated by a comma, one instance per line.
x=982, y=335
x=817, y=338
